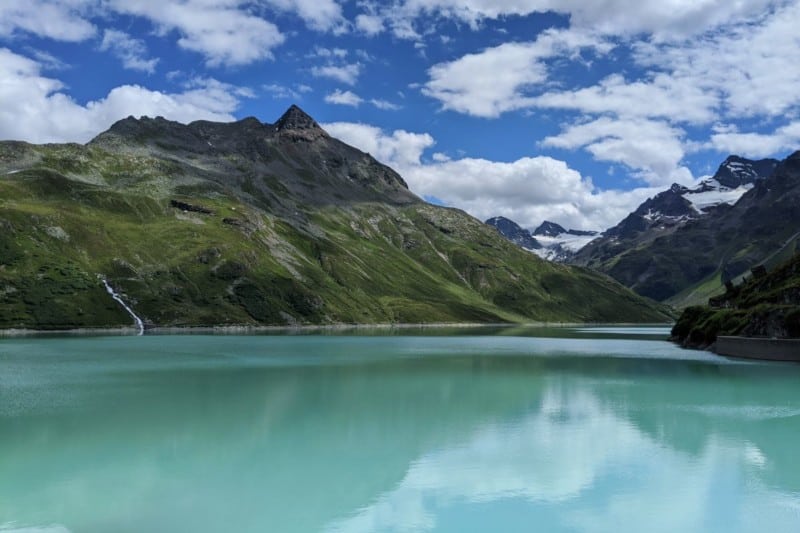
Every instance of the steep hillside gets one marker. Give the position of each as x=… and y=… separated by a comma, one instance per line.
x=250, y=224
x=681, y=245
x=763, y=305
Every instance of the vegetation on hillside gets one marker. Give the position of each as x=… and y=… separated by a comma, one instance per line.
x=211, y=224
x=764, y=305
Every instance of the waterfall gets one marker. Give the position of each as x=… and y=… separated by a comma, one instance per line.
x=109, y=290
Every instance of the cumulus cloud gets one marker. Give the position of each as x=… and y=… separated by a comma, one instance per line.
x=350, y=98
x=347, y=73
x=528, y=190
x=369, y=24
x=695, y=64
x=757, y=145
x=33, y=108
x=663, y=96
x=278, y=91
x=652, y=148
x=747, y=64
x=400, y=148
x=340, y=97
x=664, y=19
x=132, y=52
x=500, y=79
x=321, y=15
x=62, y=20
x=225, y=32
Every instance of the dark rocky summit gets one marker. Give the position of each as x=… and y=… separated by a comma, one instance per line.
x=736, y=171
x=549, y=229
x=514, y=233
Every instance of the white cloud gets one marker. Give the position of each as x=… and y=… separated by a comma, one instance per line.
x=653, y=148
x=528, y=190
x=321, y=51
x=343, y=73
x=350, y=98
x=47, y=60
x=320, y=15
x=384, y=104
x=285, y=92
x=748, y=64
x=665, y=19
x=62, y=20
x=499, y=79
x=225, y=32
x=695, y=64
x=33, y=109
x=401, y=149
x=757, y=145
x=132, y=52
x=663, y=96
x=369, y=24
x=340, y=97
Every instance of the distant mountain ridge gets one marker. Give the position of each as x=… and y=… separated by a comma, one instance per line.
x=549, y=240
x=551, y=229
x=682, y=244
x=514, y=233
x=249, y=224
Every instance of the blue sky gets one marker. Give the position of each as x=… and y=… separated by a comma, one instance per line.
x=566, y=110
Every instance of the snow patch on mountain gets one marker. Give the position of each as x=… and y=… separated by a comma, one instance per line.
x=561, y=247
x=708, y=195
x=569, y=242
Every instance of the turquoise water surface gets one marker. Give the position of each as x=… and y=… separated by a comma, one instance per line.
x=581, y=429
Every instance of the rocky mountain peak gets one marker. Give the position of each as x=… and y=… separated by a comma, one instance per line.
x=736, y=171
x=298, y=124
x=514, y=232
x=549, y=229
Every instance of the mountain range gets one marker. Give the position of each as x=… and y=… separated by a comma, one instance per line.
x=682, y=245
x=250, y=223
x=549, y=240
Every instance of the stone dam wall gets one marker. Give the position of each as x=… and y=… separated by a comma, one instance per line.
x=759, y=348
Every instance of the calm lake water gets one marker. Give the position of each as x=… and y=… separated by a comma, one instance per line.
x=590, y=429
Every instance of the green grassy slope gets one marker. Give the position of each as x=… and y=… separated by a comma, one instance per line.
x=699, y=293
x=252, y=250
x=759, y=306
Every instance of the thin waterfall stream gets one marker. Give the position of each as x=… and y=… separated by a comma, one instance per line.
x=118, y=298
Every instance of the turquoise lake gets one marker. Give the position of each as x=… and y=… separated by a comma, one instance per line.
x=458, y=430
